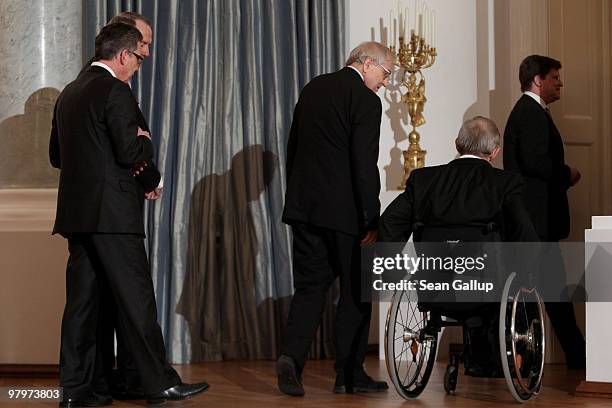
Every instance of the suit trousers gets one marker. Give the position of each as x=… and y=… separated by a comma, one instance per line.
x=120, y=372
x=560, y=311
x=319, y=256
x=125, y=375
x=103, y=266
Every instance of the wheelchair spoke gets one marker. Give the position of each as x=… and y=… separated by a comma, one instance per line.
x=402, y=350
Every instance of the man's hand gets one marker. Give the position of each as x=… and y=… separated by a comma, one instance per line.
x=153, y=195
x=369, y=237
x=143, y=133
x=574, y=176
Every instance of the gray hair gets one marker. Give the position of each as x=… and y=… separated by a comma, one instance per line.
x=371, y=49
x=130, y=18
x=478, y=136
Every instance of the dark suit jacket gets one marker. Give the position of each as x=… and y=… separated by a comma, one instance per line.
x=464, y=191
x=93, y=142
x=533, y=148
x=149, y=178
x=332, y=154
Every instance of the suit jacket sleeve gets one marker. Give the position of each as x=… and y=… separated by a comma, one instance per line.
x=364, y=162
x=150, y=177
x=121, y=120
x=534, y=152
x=54, y=149
x=397, y=219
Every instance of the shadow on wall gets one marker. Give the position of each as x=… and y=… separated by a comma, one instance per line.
x=24, y=157
x=398, y=118
x=218, y=298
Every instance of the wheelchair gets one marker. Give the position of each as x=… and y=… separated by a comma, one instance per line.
x=413, y=326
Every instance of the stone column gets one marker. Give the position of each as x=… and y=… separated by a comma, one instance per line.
x=40, y=52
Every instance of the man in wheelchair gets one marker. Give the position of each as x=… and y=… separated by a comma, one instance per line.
x=466, y=200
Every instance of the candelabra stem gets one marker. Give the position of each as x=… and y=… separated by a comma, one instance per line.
x=414, y=156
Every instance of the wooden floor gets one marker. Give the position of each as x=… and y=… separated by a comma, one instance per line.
x=252, y=384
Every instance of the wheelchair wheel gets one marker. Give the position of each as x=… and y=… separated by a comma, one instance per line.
x=521, y=339
x=410, y=353
x=450, y=379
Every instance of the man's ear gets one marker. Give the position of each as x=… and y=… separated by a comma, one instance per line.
x=366, y=64
x=123, y=56
x=494, y=153
x=537, y=80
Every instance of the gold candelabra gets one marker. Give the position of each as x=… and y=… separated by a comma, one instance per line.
x=414, y=56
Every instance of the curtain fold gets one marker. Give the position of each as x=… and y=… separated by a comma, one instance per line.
x=218, y=92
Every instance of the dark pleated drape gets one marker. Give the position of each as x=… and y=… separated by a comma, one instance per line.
x=218, y=92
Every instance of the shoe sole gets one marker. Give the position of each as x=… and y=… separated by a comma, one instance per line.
x=286, y=374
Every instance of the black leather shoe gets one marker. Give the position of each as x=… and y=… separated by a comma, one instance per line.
x=361, y=383
x=178, y=392
x=288, y=377
x=94, y=400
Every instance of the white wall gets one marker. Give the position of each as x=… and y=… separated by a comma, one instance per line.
x=451, y=82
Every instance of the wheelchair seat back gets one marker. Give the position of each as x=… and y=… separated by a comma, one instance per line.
x=480, y=320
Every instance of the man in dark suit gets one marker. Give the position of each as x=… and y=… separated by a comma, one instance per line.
x=148, y=176
x=468, y=190
x=534, y=149
x=96, y=143
x=122, y=382
x=332, y=206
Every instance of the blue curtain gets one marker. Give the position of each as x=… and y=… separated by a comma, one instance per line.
x=218, y=92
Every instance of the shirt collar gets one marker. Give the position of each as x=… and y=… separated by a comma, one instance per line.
x=471, y=156
x=356, y=70
x=536, y=98
x=103, y=65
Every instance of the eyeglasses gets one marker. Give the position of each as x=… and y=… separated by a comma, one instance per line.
x=387, y=72
x=140, y=58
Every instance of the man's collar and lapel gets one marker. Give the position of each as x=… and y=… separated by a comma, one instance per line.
x=100, y=69
x=356, y=71
x=533, y=99
x=352, y=72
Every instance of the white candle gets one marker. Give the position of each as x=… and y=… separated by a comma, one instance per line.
x=394, y=32
x=405, y=21
x=425, y=28
x=407, y=14
x=420, y=25
x=398, y=9
x=433, y=28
